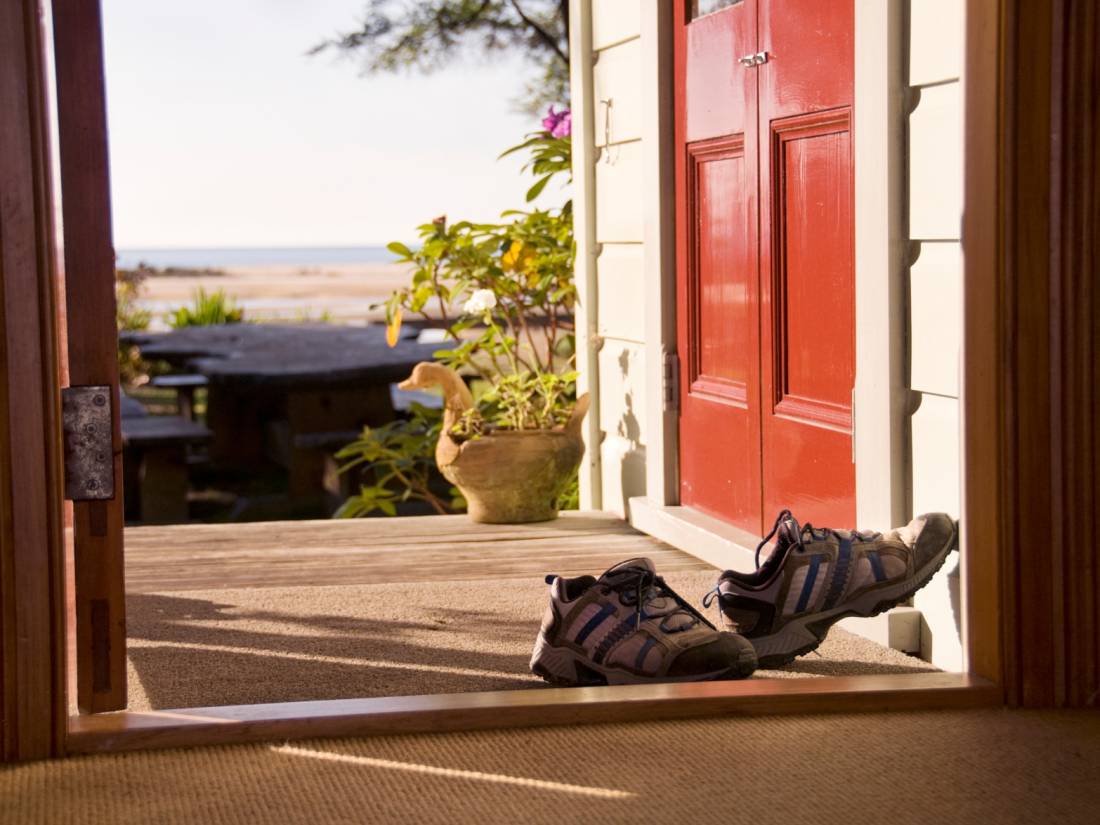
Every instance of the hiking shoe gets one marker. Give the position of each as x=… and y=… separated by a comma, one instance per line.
x=815, y=577
x=628, y=627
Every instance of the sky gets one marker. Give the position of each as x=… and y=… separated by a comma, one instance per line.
x=224, y=132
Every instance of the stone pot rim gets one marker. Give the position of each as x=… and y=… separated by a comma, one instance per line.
x=514, y=433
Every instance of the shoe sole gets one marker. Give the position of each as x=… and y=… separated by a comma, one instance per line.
x=563, y=667
x=805, y=635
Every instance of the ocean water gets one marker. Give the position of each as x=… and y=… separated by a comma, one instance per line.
x=225, y=257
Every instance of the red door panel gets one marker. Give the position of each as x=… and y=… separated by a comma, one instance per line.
x=807, y=260
x=765, y=280
x=810, y=46
x=718, y=265
x=720, y=96
x=722, y=282
x=808, y=308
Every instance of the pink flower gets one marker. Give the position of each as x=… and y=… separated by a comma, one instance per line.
x=558, y=123
x=565, y=125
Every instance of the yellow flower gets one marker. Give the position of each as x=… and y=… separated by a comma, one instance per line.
x=518, y=257
x=393, y=328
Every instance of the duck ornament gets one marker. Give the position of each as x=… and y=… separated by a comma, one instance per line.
x=506, y=476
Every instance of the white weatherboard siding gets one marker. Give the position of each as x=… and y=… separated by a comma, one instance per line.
x=619, y=215
x=614, y=21
x=936, y=164
x=620, y=297
x=616, y=112
x=617, y=77
x=935, y=185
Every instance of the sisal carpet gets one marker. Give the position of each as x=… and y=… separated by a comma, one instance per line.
x=252, y=645
x=977, y=767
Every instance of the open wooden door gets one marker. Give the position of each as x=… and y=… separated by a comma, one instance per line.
x=765, y=275
x=93, y=439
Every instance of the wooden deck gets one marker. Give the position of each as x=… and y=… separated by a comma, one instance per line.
x=381, y=550
x=394, y=553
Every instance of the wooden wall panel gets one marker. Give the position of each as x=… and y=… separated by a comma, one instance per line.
x=32, y=702
x=1075, y=321
x=1033, y=397
x=92, y=354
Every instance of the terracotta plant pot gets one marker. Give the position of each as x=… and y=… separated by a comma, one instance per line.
x=508, y=477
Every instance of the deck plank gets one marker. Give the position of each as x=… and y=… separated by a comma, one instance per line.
x=375, y=551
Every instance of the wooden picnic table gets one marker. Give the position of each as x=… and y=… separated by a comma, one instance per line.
x=270, y=384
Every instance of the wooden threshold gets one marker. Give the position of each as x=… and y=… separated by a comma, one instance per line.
x=185, y=727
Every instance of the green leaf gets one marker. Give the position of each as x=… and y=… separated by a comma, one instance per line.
x=536, y=190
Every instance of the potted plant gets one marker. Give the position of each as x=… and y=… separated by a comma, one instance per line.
x=513, y=454
x=505, y=295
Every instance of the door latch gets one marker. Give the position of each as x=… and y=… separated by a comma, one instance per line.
x=89, y=450
x=751, y=60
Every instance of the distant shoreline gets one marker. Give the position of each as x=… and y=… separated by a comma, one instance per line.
x=198, y=258
x=344, y=293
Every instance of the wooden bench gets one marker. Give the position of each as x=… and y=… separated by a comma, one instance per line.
x=155, y=466
x=185, y=385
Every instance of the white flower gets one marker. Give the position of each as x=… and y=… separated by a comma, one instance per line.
x=481, y=301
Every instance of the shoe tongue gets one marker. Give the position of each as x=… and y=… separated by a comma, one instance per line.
x=627, y=573
x=788, y=533
x=638, y=565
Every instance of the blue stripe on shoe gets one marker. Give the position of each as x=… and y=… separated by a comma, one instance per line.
x=876, y=565
x=594, y=622
x=808, y=585
x=619, y=632
x=639, y=660
x=840, y=575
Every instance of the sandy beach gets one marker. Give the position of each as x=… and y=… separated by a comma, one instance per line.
x=343, y=293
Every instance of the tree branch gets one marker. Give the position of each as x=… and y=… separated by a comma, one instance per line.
x=543, y=34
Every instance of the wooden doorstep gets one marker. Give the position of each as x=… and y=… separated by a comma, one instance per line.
x=186, y=727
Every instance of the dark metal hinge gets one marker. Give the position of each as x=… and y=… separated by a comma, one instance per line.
x=89, y=453
x=670, y=381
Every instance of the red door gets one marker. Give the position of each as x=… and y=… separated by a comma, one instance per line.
x=765, y=276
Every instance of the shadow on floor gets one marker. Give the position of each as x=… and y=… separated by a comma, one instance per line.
x=245, y=646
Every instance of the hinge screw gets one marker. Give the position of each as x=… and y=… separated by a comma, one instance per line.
x=99, y=400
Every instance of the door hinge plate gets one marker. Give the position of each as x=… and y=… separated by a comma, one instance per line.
x=89, y=453
x=670, y=379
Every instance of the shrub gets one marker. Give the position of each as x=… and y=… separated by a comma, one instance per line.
x=129, y=317
x=207, y=309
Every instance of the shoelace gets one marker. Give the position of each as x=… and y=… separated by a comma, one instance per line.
x=647, y=586
x=716, y=592
x=783, y=515
x=817, y=533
